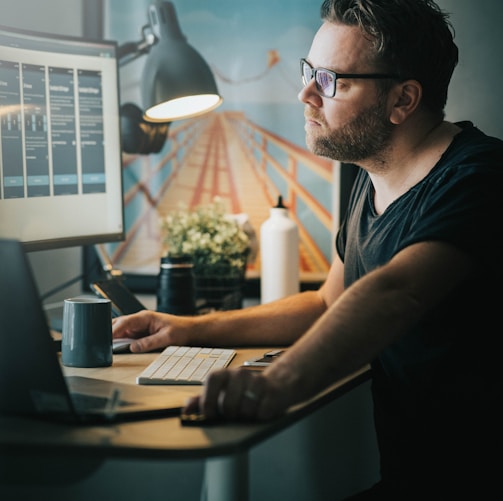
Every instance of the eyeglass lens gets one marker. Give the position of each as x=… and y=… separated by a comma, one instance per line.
x=325, y=80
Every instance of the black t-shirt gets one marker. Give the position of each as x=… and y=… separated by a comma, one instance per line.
x=437, y=390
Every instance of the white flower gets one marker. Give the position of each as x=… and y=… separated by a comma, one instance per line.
x=215, y=242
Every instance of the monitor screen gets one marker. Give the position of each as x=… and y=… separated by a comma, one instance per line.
x=60, y=146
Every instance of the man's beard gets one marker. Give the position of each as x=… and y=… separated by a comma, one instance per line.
x=364, y=137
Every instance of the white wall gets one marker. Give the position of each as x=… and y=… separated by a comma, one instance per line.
x=58, y=16
x=475, y=93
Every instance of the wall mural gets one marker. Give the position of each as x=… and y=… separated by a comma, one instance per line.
x=249, y=150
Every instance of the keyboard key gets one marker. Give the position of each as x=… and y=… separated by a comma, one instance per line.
x=185, y=365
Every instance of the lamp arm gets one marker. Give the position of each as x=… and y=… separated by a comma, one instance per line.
x=130, y=51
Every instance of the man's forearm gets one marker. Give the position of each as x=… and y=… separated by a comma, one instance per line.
x=278, y=323
x=370, y=315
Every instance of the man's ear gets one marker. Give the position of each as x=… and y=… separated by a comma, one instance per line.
x=405, y=98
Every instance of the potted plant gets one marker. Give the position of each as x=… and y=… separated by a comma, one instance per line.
x=217, y=246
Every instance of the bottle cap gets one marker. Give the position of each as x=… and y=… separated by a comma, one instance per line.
x=280, y=204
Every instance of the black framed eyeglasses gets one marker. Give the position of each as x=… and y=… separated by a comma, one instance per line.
x=326, y=80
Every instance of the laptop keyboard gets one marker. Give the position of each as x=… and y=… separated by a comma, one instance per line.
x=84, y=402
x=185, y=365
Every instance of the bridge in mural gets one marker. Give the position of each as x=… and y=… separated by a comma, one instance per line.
x=226, y=155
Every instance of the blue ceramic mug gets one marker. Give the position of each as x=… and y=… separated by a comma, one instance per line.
x=87, y=332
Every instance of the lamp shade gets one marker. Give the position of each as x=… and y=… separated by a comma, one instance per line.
x=177, y=82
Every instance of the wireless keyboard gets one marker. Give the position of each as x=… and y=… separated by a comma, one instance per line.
x=185, y=365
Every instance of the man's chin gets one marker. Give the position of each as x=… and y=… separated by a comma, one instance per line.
x=324, y=151
x=314, y=145
x=318, y=148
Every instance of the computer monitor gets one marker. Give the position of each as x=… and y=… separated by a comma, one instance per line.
x=60, y=143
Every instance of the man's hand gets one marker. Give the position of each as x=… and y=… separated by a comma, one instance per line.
x=152, y=330
x=239, y=394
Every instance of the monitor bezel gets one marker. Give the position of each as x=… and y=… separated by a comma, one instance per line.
x=95, y=238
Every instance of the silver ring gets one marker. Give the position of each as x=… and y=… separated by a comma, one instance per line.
x=250, y=395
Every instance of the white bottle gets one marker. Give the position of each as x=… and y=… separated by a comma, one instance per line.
x=279, y=255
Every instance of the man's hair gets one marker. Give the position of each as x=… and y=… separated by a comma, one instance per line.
x=412, y=38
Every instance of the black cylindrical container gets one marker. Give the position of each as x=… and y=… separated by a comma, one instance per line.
x=175, y=289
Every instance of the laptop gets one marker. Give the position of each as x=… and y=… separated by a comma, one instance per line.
x=32, y=382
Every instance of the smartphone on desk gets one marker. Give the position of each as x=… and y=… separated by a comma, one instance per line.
x=265, y=360
x=124, y=302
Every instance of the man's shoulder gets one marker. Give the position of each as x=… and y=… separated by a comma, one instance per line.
x=473, y=137
x=472, y=152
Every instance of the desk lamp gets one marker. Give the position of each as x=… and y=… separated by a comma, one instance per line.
x=177, y=83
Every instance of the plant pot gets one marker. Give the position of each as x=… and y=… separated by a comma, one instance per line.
x=219, y=293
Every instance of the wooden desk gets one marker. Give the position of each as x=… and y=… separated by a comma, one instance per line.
x=224, y=447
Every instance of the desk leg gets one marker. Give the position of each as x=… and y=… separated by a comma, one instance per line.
x=226, y=478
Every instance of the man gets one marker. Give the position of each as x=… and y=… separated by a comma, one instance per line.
x=411, y=290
